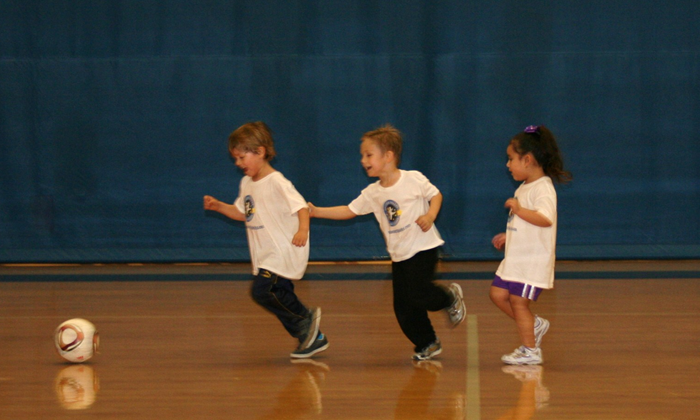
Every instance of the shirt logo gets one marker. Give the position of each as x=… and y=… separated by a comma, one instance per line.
x=249, y=208
x=392, y=212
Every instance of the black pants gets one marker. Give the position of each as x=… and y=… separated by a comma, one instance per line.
x=276, y=294
x=415, y=294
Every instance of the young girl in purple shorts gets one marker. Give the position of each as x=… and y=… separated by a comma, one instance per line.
x=530, y=238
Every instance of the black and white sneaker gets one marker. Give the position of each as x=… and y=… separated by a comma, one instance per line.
x=318, y=345
x=432, y=350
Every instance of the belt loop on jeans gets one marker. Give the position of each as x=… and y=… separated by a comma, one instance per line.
x=268, y=274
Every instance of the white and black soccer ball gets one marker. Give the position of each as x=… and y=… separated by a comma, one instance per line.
x=77, y=340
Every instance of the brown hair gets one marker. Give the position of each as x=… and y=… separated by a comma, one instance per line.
x=388, y=139
x=250, y=136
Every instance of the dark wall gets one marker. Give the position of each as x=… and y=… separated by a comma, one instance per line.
x=114, y=117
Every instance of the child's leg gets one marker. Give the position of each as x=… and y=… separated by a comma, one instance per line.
x=415, y=294
x=501, y=298
x=419, y=285
x=524, y=320
x=276, y=294
x=514, y=300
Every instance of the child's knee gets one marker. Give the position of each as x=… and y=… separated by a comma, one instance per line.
x=518, y=301
x=498, y=295
x=260, y=292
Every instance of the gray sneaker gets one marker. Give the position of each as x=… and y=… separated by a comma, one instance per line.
x=458, y=310
x=318, y=345
x=311, y=332
x=429, y=352
x=541, y=327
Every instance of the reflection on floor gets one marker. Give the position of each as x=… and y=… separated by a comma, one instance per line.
x=77, y=387
x=181, y=348
x=533, y=395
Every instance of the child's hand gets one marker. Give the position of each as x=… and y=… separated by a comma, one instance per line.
x=210, y=203
x=513, y=205
x=425, y=222
x=499, y=241
x=300, y=238
x=312, y=208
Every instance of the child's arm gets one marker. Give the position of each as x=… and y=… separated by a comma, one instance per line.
x=228, y=210
x=302, y=234
x=530, y=216
x=499, y=241
x=334, y=213
x=426, y=221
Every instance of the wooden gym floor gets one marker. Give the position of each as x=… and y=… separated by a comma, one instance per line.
x=187, y=342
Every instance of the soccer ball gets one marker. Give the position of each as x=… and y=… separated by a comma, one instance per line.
x=76, y=340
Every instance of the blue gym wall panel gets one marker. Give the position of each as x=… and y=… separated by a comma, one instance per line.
x=114, y=118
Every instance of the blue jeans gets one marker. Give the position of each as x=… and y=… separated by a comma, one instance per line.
x=276, y=294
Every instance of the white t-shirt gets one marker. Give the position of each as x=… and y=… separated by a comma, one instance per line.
x=397, y=208
x=271, y=205
x=530, y=250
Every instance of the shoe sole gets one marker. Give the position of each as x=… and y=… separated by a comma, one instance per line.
x=530, y=363
x=307, y=355
x=313, y=329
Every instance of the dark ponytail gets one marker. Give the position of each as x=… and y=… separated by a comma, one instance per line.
x=539, y=141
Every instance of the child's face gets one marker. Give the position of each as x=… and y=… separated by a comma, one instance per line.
x=516, y=164
x=250, y=162
x=373, y=160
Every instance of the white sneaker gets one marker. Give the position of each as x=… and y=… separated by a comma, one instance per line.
x=523, y=356
x=541, y=327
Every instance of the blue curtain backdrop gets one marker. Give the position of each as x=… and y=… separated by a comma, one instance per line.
x=114, y=117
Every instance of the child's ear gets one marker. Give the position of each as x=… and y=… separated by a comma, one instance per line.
x=390, y=155
x=261, y=151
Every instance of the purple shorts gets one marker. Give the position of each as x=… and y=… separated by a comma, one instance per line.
x=520, y=289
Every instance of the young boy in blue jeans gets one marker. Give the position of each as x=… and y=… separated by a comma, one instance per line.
x=405, y=204
x=277, y=221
